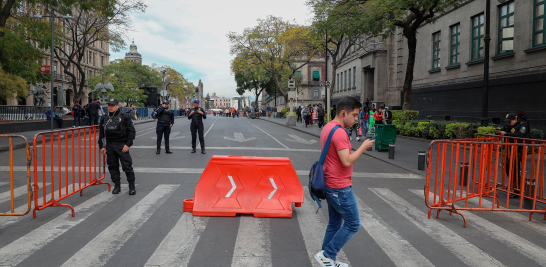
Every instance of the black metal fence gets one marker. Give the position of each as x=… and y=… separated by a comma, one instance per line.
x=24, y=113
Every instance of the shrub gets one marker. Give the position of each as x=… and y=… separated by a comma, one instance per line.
x=284, y=110
x=537, y=134
x=486, y=130
x=397, y=115
x=398, y=124
x=411, y=114
x=436, y=130
x=421, y=127
x=457, y=130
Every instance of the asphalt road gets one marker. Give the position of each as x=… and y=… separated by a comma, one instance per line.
x=151, y=229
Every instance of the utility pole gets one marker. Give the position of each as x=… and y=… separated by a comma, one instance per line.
x=487, y=39
x=326, y=87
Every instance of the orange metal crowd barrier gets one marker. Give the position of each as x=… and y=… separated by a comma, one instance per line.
x=462, y=174
x=29, y=188
x=72, y=164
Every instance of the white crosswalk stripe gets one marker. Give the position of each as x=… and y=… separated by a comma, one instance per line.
x=19, y=250
x=178, y=246
x=400, y=251
x=99, y=250
x=465, y=251
x=512, y=240
x=313, y=228
x=252, y=247
x=17, y=192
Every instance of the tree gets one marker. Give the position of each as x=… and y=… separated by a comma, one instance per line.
x=250, y=76
x=334, y=29
x=127, y=77
x=382, y=17
x=277, y=46
x=109, y=22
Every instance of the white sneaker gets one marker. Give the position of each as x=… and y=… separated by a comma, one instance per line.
x=350, y=138
x=358, y=139
x=327, y=262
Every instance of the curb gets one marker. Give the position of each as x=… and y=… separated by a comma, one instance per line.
x=414, y=138
x=318, y=136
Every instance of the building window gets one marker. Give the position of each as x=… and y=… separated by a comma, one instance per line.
x=68, y=49
x=345, y=81
x=506, y=28
x=101, y=61
x=477, y=38
x=349, y=78
x=454, y=44
x=436, y=51
x=354, y=77
x=315, y=93
x=316, y=76
x=539, y=23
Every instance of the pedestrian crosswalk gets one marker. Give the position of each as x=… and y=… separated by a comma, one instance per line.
x=408, y=241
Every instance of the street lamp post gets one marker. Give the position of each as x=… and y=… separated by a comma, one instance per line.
x=487, y=39
x=53, y=17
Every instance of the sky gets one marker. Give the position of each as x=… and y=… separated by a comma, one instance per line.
x=190, y=35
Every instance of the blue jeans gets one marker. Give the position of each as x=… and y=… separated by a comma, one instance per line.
x=365, y=127
x=342, y=207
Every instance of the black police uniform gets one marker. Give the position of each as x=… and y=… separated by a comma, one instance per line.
x=197, y=126
x=117, y=129
x=165, y=118
x=519, y=129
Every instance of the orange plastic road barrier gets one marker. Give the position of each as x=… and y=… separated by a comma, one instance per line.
x=462, y=174
x=265, y=187
x=29, y=188
x=73, y=164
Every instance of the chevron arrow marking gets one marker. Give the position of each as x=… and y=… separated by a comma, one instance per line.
x=233, y=186
x=274, y=186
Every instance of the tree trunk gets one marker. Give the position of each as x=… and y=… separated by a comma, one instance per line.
x=412, y=47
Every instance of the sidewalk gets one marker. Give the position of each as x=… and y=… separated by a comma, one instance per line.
x=406, y=148
x=18, y=143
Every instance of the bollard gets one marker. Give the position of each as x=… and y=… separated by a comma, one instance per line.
x=463, y=169
x=421, y=160
x=529, y=192
x=391, y=151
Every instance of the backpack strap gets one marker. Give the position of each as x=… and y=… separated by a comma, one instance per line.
x=327, y=144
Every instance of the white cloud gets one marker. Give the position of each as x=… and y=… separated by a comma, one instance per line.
x=190, y=35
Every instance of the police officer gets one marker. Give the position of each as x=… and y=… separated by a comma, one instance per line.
x=117, y=130
x=514, y=128
x=196, y=115
x=165, y=120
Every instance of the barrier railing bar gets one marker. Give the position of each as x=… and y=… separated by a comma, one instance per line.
x=11, y=178
x=11, y=173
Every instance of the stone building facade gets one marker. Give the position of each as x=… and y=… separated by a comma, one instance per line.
x=448, y=74
x=308, y=85
x=452, y=88
x=133, y=54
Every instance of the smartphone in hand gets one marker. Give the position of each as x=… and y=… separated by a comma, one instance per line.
x=374, y=137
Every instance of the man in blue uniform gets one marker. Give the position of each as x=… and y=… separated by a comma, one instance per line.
x=165, y=121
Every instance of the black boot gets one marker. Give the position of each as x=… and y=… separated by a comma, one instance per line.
x=203, y=151
x=168, y=151
x=117, y=189
x=158, y=151
x=193, y=150
x=132, y=190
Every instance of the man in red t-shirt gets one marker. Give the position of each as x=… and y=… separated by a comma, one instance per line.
x=338, y=171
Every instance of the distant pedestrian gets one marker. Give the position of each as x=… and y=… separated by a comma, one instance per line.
x=311, y=114
x=94, y=112
x=306, y=115
x=379, y=117
x=320, y=115
x=268, y=109
x=196, y=116
x=133, y=113
x=298, y=114
x=56, y=118
x=101, y=112
x=343, y=212
x=315, y=115
x=233, y=112
x=365, y=121
x=77, y=109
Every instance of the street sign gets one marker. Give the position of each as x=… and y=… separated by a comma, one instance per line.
x=291, y=84
x=163, y=93
x=45, y=69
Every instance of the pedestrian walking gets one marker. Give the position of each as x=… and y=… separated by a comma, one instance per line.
x=133, y=113
x=320, y=115
x=233, y=112
x=117, y=134
x=196, y=116
x=298, y=114
x=101, y=112
x=165, y=121
x=311, y=114
x=77, y=110
x=306, y=115
x=365, y=121
x=343, y=212
x=94, y=112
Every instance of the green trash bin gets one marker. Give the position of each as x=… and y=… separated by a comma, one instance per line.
x=386, y=134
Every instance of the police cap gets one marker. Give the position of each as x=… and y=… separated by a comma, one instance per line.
x=113, y=101
x=510, y=117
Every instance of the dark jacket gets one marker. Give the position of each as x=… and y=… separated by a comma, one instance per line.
x=519, y=129
x=165, y=117
x=117, y=127
x=78, y=110
x=93, y=108
x=320, y=112
x=196, y=117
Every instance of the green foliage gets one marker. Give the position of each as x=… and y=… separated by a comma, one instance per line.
x=486, y=130
x=397, y=115
x=421, y=127
x=456, y=130
x=411, y=114
x=537, y=134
